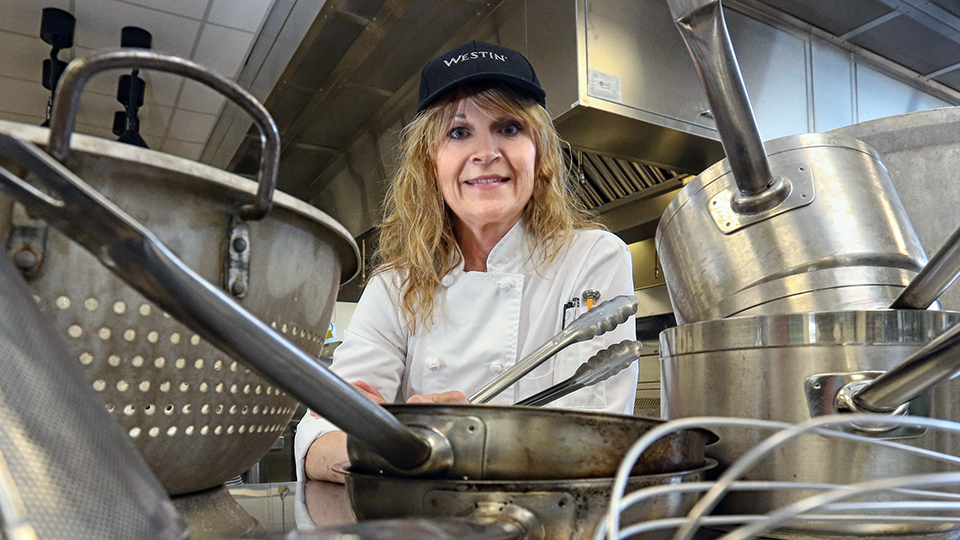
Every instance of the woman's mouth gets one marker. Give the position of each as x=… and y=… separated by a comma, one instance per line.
x=486, y=180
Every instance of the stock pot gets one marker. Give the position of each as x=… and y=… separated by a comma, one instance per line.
x=788, y=368
x=810, y=222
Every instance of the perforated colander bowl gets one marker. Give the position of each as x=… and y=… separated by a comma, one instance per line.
x=197, y=416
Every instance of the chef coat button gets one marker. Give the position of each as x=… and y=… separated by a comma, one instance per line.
x=447, y=281
x=496, y=367
x=507, y=285
x=434, y=364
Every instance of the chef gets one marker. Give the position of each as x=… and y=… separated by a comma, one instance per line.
x=485, y=254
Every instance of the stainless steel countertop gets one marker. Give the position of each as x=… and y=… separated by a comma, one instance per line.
x=265, y=510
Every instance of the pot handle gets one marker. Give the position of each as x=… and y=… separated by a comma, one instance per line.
x=64, y=114
x=137, y=257
x=934, y=278
x=704, y=31
x=935, y=362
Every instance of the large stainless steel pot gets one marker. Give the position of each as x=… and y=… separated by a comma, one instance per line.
x=764, y=367
x=920, y=150
x=547, y=509
x=139, y=258
x=195, y=414
x=811, y=222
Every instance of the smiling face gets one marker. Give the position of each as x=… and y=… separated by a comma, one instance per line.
x=486, y=167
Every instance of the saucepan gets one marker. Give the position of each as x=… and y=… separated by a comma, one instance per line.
x=518, y=509
x=135, y=255
x=791, y=367
x=808, y=222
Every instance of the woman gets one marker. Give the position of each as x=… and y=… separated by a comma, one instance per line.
x=486, y=255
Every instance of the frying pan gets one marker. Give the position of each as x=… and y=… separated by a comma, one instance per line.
x=431, y=447
x=515, y=509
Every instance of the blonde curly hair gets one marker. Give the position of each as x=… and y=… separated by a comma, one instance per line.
x=416, y=234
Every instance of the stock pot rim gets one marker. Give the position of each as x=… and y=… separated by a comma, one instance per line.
x=881, y=327
x=96, y=146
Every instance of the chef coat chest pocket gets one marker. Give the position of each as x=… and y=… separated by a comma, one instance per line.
x=474, y=339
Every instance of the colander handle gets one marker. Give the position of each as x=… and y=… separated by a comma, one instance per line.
x=137, y=257
x=64, y=114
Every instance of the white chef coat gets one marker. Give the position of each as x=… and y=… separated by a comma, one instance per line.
x=484, y=323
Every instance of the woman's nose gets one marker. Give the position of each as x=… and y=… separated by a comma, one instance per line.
x=487, y=149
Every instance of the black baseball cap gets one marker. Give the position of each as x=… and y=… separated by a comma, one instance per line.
x=476, y=62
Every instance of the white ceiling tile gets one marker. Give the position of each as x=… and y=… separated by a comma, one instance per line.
x=161, y=88
x=240, y=14
x=183, y=149
x=23, y=97
x=96, y=131
x=191, y=126
x=223, y=49
x=152, y=141
x=23, y=56
x=187, y=8
x=22, y=118
x=23, y=16
x=98, y=109
x=200, y=98
x=154, y=120
x=100, y=21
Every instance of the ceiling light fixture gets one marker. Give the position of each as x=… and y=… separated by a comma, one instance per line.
x=130, y=90
x=56, y=29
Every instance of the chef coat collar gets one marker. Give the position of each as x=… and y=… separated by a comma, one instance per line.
x=510, y=251
x=509, y=254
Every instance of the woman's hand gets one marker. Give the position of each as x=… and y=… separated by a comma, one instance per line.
x=370, y=392
x=367, y=390
x=454, y=396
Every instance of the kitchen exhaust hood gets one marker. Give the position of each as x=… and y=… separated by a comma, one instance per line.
x=620, y=82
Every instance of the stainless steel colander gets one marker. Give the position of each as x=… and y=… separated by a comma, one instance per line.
x=66, y=471
x=197, y=417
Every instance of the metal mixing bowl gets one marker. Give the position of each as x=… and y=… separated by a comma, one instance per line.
x=197, y=417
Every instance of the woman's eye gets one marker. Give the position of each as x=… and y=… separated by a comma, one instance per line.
x=512, y=129
x=458, y=133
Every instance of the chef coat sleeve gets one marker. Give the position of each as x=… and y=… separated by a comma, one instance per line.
x=374, y=351
x=605, y=265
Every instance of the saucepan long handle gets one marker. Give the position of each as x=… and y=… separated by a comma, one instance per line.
x=704, y=31
x=936, y=276
x=599, y=320
x=136, y=256
x=936, y=362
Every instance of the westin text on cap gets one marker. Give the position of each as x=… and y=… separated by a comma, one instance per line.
x=478, y=61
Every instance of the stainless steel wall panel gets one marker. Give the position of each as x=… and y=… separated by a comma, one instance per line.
x=879, y=95
x=832, y=87
x=774, y=67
